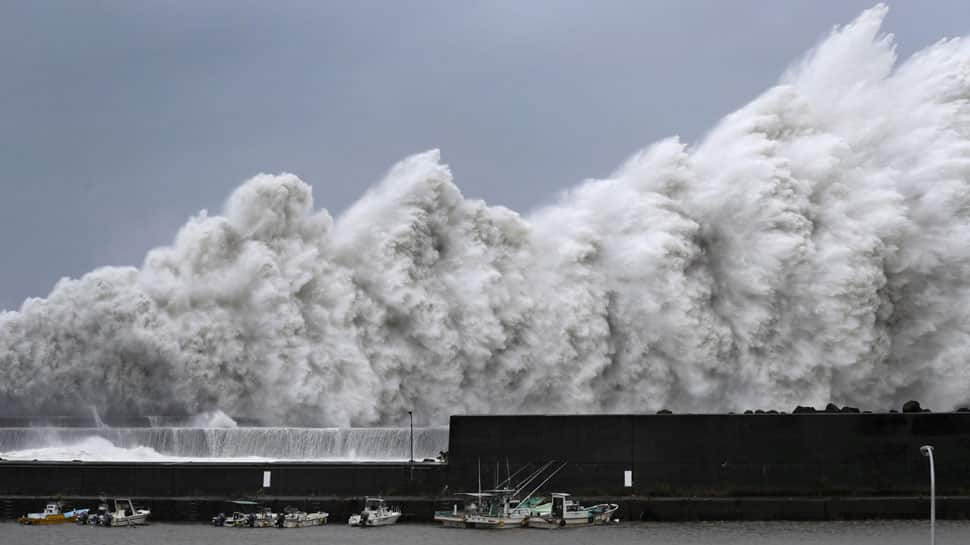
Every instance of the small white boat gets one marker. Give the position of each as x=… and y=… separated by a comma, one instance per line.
x=252, y=516
x=52, y=515
x=563, y=512
x=260, y=519
x=124, y=514
x=375, y=513
x=301, y=519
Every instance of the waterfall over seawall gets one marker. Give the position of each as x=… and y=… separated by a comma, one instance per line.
x=352, y=444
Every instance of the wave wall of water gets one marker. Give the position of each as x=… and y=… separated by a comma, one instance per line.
x=811, y=248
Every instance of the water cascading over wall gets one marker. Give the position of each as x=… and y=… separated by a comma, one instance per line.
x=811, y=248
x=347, y=444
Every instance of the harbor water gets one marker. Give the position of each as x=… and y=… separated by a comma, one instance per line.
x=701, y=533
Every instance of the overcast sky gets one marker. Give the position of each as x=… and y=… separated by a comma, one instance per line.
x=119, y=120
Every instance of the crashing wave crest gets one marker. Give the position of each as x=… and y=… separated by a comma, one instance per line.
x=812, y=247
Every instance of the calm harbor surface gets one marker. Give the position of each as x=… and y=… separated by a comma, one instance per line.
x=699, y=533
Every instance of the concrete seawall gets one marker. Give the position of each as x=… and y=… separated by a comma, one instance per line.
x=722, y=455
x=682, y=467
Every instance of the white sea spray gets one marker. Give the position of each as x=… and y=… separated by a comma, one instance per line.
x=814, y=247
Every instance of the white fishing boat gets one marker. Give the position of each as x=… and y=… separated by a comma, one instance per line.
x=497, y=509
x=375, y=513
x=246, y=514
x=124, y=514
x=455, y=517
x=563, y=512
x=479, y=510
x=293, y=518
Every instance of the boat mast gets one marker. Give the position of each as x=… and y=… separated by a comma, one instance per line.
x=551, y=475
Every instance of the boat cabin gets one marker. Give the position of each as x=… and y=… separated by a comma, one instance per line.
x=561, y=504
x=123, y=506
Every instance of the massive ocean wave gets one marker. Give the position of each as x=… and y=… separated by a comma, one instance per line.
x=814, y=247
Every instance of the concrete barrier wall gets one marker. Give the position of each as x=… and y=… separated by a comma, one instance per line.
x=720, y=455
x=227, y=480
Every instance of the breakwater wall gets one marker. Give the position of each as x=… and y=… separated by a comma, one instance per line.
x=221, y=480
x=819, y=454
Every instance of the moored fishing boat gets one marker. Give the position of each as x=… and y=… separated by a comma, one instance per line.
x=124, y=514
x=491, y=509
x=375, y=513
x=499, y=508
x=563, y=512
x=294, y=518
x=53, y=514
x=249, y=515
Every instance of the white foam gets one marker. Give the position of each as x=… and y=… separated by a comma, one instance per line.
x=223, y=444
x=88, y=449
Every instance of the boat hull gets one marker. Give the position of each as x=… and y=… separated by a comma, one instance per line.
x=311, y=520
x=494, y=523
x=374, y=521
x=50, y=519
x=450, y=520
x=137, y=519
x=594, y=516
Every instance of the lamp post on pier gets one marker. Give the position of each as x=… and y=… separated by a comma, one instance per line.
x=411, y=461
x=927, y=450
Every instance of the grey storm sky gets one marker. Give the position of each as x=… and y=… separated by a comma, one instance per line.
x=119, y=120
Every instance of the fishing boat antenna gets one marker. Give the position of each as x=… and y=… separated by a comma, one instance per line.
x=533, y=476
x=508, y=470
x=508, y=482
x=536, y=489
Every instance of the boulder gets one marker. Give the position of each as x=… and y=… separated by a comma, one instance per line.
x=832, y=408
x=664, y=411
x=803, y=410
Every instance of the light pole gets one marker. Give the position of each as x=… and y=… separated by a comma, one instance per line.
x=927, y=451
x=411, y=416
x=411, y=462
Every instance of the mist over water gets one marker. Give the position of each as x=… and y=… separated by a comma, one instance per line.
x=814, y=247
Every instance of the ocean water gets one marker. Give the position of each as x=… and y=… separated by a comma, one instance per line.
x=698, y=533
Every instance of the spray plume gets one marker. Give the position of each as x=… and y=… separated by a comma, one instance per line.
x=813, y=247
